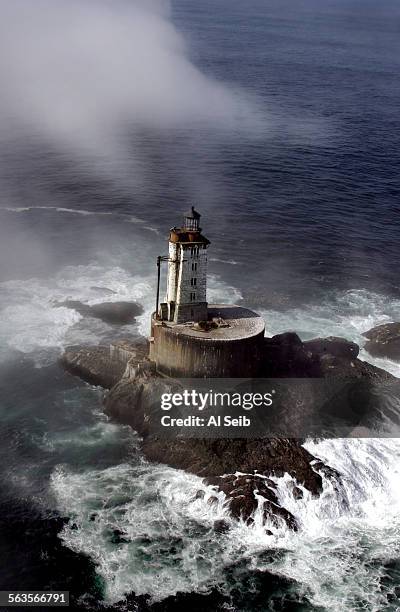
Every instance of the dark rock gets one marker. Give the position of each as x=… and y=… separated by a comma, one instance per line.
x=384, y=341
x=221, y=526
x=285, y=357
x=336, y=347
x=119, y=537
x=247, y=492
x=330, y=366
x=132, y=402
x=241, y=468
x=119, y=313
x=94, y=365
x=297, y=492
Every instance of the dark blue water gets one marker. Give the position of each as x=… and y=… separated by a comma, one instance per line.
x=303, y=214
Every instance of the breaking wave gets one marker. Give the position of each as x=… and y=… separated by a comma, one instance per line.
x=33, y=323
x=150, y=529
x=146, y=527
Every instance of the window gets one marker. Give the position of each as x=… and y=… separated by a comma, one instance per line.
x=194, y=251
x=194, y=267
x=192, y=297
x=191, y=224
x=193, y=282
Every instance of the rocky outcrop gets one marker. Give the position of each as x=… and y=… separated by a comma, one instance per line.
x=384, y=341
x=336, y=347
x=100, y=365
x=241, y=468
x=93, y=365
x=114, y=313
x=286, y=356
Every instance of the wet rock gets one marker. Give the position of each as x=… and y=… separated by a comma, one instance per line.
x=255, y=460
x=285, y=356
x=336, y=347
x=331, y=366
x=132, y=403
x=95, y=365
x=296, y=491
x=250, y=492
x=115, y=313
x=221, y=526
x=240, y=468
x=119, y=537
x=384, y=341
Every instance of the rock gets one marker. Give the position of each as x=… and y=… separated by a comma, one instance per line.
x=95, y=366
x=384, y=341
x=296, y=491
x=285, y=357
x=221, y=526
x=241, y=468
x=330, y=366
x=336, y=347
x=133, y=402
x=115, y=313
x=119, y=537
x=247, y=492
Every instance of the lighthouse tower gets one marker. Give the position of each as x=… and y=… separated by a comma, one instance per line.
x=186, y=298
x=231, y=342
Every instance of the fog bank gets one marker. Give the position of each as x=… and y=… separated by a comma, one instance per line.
x=79, y=72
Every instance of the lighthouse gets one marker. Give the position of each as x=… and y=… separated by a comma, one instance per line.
x=186, y=296
x=191, y=338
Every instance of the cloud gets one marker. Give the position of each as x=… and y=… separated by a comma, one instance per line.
x=83, y=71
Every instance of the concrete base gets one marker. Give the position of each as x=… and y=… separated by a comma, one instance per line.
x=231, y=350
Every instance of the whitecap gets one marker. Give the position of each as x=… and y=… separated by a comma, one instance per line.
x=144, y=526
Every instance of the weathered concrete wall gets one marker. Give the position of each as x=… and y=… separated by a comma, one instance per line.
x=173, y=269
x=187, y=282
x=192, y=256
x=183, y=356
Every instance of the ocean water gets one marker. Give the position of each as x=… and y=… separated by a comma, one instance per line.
x=302, y=209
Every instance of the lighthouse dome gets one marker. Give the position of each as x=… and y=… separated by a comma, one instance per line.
x=192, y=219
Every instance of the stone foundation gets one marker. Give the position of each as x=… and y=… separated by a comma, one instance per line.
x=233, y=350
